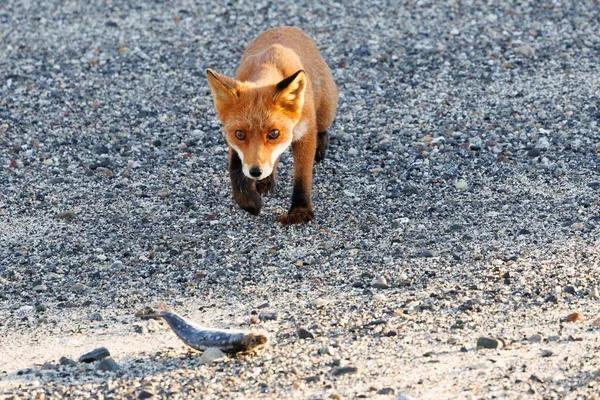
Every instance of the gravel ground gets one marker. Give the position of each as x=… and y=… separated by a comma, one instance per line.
x=459, y=200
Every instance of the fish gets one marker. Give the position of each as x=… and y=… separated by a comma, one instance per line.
x=202, y=338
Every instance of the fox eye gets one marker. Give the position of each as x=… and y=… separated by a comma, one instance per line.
x=273, y=134
x=240, y=135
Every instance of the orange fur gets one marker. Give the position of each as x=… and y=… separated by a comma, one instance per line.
x=283, y=84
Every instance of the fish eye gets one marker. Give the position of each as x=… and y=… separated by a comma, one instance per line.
x=273, y=134
x=240, y=135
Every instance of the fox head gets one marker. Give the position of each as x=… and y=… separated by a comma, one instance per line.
x=258, y=121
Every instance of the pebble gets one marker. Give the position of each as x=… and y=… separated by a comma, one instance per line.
x=94, y=355
x=575, y=317
x=325, y=350
x=107, y=365
x=164, y=192
x=461, y=184
x=578, y=226
x=266, y=315
x=66, y=361
x=40, y=288
x=320, y=302
x=547, y=353
x=380, y=283
x=352, y=151
x=96, y=317
x=210, y=355
x=379, y=297
x=488, y=343
x=305, y=334
x=335, y=396
x=386, y=391
x=596, y=322
x=78, y=288
x=536, y=338
x=594, y=294
x=348, y=370
x=66, y=215
x=147, y=392
x=425, y=254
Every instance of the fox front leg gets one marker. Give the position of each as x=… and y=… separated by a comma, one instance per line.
x=244, y=188
x=301, y=210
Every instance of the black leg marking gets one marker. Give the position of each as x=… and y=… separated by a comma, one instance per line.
x=244, y=189
x=322, y=144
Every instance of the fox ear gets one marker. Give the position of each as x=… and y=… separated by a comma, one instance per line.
x=290, y=92
x=224, y=89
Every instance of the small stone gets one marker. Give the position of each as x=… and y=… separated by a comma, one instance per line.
x=94, y=355
x=108, y=364
x=266, y=315
x=305, y=334
x=569, y=290
x=48, y=365
x=66, y=361
x=140, y=329
x=534, y=153
x=254, y=320
x=78, y=288
x=578, y=226
x=575, y=317
x=547, y=353
x=425, y=254
x=325, y=350
x=379, y=297
x=352, y=151
x=335, y=396
x=488, y=343
x=96, y=317
x=535, y=338
x=596, y=322
x=379, y=283
x=594, y=293
x=554, y=338
x=163, y=193
x=386, y=391
x=40, y=288
x=40, y=307
x=210, y=355
x=66, y=215
x=147, y=392
x=461, y=184
x=313, y=378
x=320, y=302
x=344, y=371
x=100, y=149
x=525, y=50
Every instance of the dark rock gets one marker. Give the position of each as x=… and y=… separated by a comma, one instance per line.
x=268, y=315
x=488, y=343
x=425, y=254
x=108, y=364
x=386, y=391
x=533, y=153
x=66, y=361
x=305, y=334
x=344, y=371
x=95, y=355
x=569, y=290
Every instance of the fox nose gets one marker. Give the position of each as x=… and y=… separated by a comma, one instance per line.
x=255, y=171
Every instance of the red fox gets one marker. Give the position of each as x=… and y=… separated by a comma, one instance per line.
x=283, y=95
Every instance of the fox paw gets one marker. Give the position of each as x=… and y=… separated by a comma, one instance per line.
x=265, y=186
x=297, y=216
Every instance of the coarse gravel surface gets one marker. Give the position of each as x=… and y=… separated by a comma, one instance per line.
x=458, y=203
